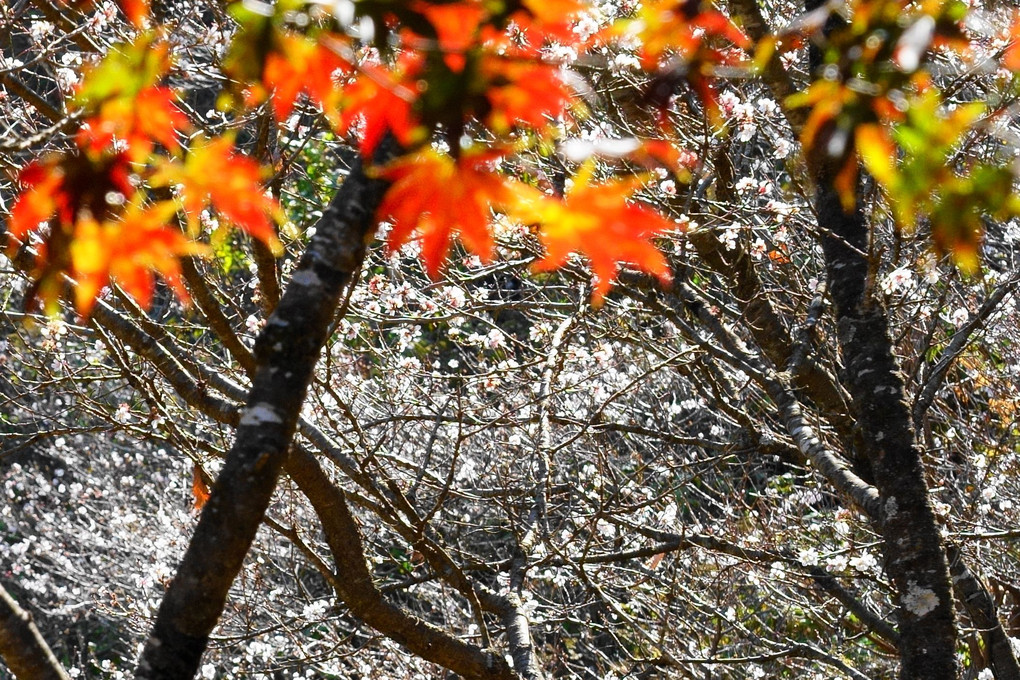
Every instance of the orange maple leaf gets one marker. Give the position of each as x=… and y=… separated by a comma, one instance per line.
x=199, y=489
x=556, y=14
x=151, y=115
x=92, y=237
x=440, y=196
x=682, y=27
x=300, y=65
x=129, y=251
x=384, y=100
x=1011, y=57
x=600, y=222
x=213, y=174
x=61, y=189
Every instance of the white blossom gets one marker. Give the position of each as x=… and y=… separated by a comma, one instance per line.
x=919, y=601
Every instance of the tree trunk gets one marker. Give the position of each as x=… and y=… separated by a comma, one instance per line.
x=915, y=559
x=285, y=355
x=22, y=646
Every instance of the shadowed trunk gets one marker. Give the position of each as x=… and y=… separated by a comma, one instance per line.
x=915, y=559
x=285, y=355
x=22, y=646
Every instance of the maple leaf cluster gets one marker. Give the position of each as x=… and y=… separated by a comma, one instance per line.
x=439, y=196
x=96, y=210
x=688, y=39
x=458, y=67
x=456, y=63
x=103, y=211
x=879, y=107
x=434, y=73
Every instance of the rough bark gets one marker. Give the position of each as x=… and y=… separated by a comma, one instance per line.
x=285, y=352
x=981, y=610
x=914, y=557
x=22, y=646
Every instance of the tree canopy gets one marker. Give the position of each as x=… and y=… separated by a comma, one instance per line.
x=509, y=339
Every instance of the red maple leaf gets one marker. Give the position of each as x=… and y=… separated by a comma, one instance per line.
x=441, y=197
x=552, y=19
x=64, y=186
x=384, y=100
x=41, y=195
x=300, y=64
x=696, y=36
x=522, y=91
x=456, y=25
x=136, y=10
x=126, y=106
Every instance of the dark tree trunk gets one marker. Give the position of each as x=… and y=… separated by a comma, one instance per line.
x=22, y=646
x=915, y=559
x=285, y=355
